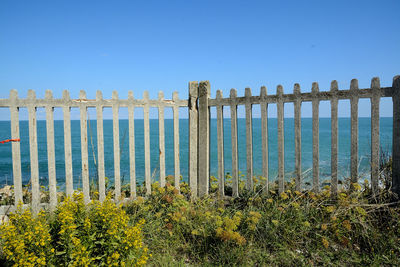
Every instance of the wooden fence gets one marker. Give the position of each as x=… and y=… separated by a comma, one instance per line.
x=198, y=104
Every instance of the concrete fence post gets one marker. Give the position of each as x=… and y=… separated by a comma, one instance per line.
x=204, y=140
x=396, y=136
x=193, y=137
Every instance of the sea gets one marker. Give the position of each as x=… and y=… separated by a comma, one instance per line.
x=6, y=172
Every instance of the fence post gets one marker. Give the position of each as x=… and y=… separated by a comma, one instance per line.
x=204, y=144
x=396, y=136
x=193, y=137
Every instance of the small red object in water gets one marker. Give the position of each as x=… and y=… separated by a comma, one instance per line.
x=9, y=140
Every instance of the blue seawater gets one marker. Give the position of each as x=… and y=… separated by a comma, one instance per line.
x=324, y=138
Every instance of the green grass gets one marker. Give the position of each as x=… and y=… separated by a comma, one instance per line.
x=256, y=229
x=260, y=228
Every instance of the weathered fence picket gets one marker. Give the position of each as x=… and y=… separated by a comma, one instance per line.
x=297, y=135
x=84, y=148
x=175, y=111
x=161, y=142
x=334, y=138
x=220, y=144
x=100, y=146
x=51, y=157
x=354, y=131
x=193, y=137
x=249, y=139
x=67, y=144
x=204, y=141
x=396, y=135
x=132, y=164
x=234, y=140
x=281, y=142
x=16, y=151
x=315, y=132
x=117, y=158
x=33, y=152
x=146, y=130
x=264, y=135
x=198, y=105
x=375, y=142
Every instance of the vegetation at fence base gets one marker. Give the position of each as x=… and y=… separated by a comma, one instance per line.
x=288, y=229
x=291, y=228
x=285, y=229
x=100, y=234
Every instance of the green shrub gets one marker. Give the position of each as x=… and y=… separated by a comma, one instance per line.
x=75, y=235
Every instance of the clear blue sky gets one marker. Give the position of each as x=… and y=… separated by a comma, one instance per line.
x=162, y=45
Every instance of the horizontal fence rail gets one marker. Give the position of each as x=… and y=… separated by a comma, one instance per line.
x=198, y=106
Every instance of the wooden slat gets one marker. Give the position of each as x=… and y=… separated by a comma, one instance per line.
x=69, y=188
x=315, y=131
x=396, y=136
x=234, y=140
x=84, y=149
x=281, y=138
x=33, y=152
x=161, y=139
x=375, y=141
x=297, y=137
x=204, y=142
x=15, y=146
x=354, y=131
x=193, y=138
x=132, y=166
x=51, y=152
x=334, y=139
x=220, y=144
x=147, y=142
x=249, y=140
x=100, y=147
x=306, y=97
x=117, y=155
x=175, y=110
x=264, y=136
